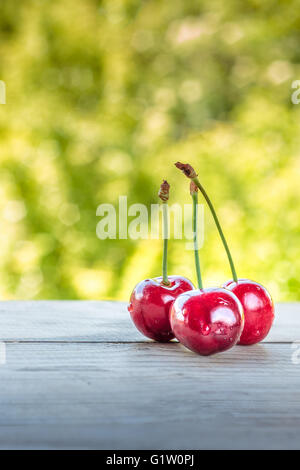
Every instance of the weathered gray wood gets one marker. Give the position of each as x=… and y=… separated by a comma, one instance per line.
x=103, y=322
x=66, y=321
x=148, y=396
x=79, y=375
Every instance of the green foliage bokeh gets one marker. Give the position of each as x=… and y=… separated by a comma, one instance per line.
x=104, y=96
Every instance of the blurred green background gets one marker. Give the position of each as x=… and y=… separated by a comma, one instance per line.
x=104, y=96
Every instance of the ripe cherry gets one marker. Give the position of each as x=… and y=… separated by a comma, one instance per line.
x=150, y=304
x=207, y=321
x=151, y=299
x=258, y=309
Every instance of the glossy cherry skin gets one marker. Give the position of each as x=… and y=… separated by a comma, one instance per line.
x=207, y=321
x=150, y=304
x=258, y=309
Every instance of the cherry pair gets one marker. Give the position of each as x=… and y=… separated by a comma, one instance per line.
x=206, y=321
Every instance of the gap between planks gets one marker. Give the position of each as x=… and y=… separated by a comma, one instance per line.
x=117, y=342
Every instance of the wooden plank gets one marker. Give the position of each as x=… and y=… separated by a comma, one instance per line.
x=66, y=321
x=103, y=322
x=148, y=396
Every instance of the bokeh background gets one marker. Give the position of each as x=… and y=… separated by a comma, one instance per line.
x=104, y=96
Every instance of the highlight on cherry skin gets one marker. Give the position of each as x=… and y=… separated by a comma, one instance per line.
x=150, y=304
x=207, y=321
x=258, y=309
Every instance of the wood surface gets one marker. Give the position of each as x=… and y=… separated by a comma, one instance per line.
x=79, y=376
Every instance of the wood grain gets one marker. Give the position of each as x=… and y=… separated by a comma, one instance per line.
x=148, y=396
x=79, y=376
x=103, y=322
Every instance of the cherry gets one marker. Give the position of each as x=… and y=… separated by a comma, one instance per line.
x=258, y=309
x=150, y=305
x=207, y=321
x=255, y=299
x=151, y=299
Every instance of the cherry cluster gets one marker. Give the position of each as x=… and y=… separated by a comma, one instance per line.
x=206, y=321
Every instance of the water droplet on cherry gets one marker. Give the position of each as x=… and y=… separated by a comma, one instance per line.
x=205, y=330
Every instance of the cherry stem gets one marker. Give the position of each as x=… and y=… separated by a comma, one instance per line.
x=195, y=238
x=199, y=185
x=165, y=248
x=163, y=194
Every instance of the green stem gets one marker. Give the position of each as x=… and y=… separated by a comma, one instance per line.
x=195, y=235
x=197, y=182
x=165, y=249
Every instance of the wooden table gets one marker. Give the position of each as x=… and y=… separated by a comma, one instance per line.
x=79, y=375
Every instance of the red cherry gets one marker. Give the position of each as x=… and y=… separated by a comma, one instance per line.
x=150, y=304
x=258, y=309
x=207, y=321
